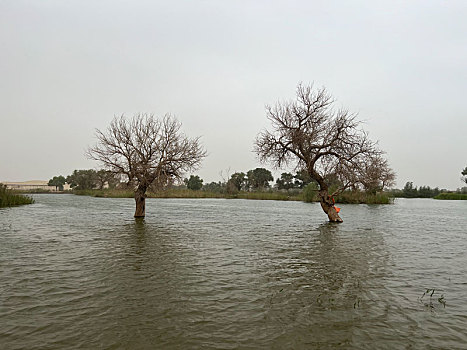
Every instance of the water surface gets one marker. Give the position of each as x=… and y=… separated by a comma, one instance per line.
x=81, y=273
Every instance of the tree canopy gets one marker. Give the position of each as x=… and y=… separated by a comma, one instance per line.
x=285, y=182
x=85, y=179
x=58, y=182
x=259, y=178
x=237, y=182
x=288, y=181
x=194, y=183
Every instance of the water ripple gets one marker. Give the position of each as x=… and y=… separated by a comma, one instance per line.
x=80, y=273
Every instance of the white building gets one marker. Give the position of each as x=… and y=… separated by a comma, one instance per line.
x=33, y=185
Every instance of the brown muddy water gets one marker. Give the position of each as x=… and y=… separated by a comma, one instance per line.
x=81, y=273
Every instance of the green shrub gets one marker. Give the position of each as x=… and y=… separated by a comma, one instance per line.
x=360, y=197
x=310, y=192
x=8, y=198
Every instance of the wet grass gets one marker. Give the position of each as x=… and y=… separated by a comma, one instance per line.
x=9, y=198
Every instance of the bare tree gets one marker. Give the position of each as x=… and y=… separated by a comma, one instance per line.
x=464, y=175
x=146, y=151
x=376, y=175
x=311, y=135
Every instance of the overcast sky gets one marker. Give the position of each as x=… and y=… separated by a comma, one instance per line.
x=67, y=67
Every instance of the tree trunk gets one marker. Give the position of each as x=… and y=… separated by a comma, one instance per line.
x=140, y=198
x=328, y=206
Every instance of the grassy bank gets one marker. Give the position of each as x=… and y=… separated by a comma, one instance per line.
x=186, y=193
x=106, y=193
x=168, y=193
x=359, y=197
x=8, y=198
x=309, y=195
x=276, y=196
x=452, y=196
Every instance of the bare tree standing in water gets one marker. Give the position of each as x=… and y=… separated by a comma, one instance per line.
x=146, y=151
x=309, y=134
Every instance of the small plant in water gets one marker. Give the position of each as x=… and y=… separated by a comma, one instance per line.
x=441, y=300
x=429, y=303
x=357, y=303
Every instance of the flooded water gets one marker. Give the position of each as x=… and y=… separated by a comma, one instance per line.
x=81, y=273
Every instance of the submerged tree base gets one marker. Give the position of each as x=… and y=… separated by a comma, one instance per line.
x=327, y=204
x=140, y=200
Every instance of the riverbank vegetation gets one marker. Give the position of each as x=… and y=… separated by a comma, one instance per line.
x=180, y=192
x=309, y=194
x=8, y=198
x=288, y=187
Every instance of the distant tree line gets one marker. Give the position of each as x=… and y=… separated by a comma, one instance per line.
x=411, y=191
x=258, y=179
x=253, y=180
x=58, y=182
x=87, y=179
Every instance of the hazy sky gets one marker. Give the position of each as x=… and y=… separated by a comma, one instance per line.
x=67, y=67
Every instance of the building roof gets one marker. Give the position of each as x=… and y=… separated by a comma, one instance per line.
x=30, y=183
